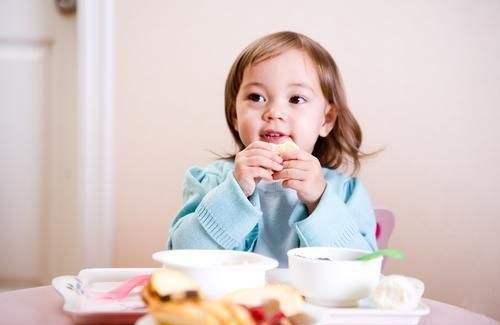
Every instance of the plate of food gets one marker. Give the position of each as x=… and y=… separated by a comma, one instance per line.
x=113, y=295
x=321, y=286
x=174, y=298
x=86, y=300
x=342, y=286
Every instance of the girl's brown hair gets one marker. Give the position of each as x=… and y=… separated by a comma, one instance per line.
x=342, y=145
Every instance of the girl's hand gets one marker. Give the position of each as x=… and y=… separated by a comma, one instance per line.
x=255, y=162
x=302, y=172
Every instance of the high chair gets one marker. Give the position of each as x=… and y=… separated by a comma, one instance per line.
x=385, y=226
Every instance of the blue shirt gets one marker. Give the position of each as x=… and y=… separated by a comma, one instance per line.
x=217, y=215
x=276, y=234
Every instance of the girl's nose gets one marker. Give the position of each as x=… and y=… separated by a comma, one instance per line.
x=274, y=111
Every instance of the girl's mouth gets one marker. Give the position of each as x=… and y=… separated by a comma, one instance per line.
x=274, y=137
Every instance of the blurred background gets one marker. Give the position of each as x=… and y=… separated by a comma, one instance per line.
x=104, y=107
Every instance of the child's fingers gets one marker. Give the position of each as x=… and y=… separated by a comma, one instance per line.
x=259, y=161
x=293, y=184
x=291, y=174
x=259, y=172
x=264, y=153
x=296, y=155
x=297, y=164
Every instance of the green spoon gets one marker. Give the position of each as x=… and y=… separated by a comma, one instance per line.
x=389, y=252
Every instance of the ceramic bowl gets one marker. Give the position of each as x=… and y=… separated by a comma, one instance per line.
x=219, y=271
x=331, y=276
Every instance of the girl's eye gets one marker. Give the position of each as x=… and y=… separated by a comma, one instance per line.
x=256, y=98
x=297, y=100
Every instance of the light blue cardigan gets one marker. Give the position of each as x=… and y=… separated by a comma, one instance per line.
x=217, y=215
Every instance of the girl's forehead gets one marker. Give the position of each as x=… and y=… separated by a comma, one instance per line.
x=289, y=66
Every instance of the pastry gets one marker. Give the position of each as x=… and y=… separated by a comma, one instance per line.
x=285, y=147
x=289, y=299
x=174, y=299
x=170, y=284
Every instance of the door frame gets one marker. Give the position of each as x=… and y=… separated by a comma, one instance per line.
x=95, y=33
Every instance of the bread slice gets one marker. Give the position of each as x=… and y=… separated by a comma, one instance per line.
x=183, y=313
x=168, y=282
x=239, y=314
x=174, y=299
x=290, y=300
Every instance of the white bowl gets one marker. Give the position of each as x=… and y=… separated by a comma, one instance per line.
x=218, y=272
x=339, y=281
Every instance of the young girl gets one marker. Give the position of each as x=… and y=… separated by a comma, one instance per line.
x=282, y=87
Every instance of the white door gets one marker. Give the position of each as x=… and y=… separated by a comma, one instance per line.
x=38, y=143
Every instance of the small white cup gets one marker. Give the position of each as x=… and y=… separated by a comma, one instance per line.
x=330, y=276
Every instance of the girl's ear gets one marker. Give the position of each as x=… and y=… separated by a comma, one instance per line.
x=234, y=119
x=328, y=121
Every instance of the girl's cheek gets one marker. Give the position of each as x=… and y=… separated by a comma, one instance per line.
x=252, y=105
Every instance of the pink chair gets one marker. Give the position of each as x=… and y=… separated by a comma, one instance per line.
x=385, y=226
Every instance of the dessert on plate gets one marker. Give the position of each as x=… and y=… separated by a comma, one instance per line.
x=172, y=298
x=398, y=292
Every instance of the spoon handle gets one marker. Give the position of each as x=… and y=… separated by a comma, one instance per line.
x=389, y=252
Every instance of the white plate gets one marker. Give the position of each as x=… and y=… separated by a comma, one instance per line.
x=365, y=314
x=146, y=320
x=354, y=316
x=86, y=310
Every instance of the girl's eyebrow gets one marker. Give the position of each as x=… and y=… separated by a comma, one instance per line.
x=293, y=84
x=300, y=84
x=254, y=83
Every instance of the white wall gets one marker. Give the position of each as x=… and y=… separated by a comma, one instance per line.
x=421, y=77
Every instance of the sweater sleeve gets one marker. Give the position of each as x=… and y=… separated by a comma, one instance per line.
x=216, y=214
x=349, y=215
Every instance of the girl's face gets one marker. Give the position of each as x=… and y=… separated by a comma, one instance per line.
x=281, y=98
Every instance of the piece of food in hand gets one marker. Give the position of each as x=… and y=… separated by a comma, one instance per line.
x=288, y=299
x=398, y=292
x=285, y=147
